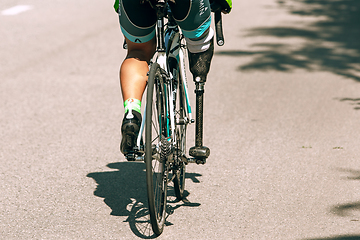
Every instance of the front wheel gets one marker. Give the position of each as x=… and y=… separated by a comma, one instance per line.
x=156, y=167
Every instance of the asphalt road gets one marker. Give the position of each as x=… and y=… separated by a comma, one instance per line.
x=281, y=116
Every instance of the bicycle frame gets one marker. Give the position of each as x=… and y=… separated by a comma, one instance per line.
x=167, y=114
x=165, y=46
x=198, y=152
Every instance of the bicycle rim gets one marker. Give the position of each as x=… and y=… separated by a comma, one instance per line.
x=156, y=169
x=181, y=127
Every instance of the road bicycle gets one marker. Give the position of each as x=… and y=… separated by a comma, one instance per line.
x=167, y=115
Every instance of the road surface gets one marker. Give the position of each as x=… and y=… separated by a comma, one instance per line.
x=281, y=116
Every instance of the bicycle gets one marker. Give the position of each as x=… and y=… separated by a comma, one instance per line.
x=167, y=115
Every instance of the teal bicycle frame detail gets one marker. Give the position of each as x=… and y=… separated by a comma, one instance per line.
x=161, y=58
x=167, y=112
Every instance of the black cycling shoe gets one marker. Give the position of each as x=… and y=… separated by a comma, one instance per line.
x=130, y=129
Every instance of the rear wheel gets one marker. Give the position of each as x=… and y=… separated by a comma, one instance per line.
x=156, y=167
x=180, y=153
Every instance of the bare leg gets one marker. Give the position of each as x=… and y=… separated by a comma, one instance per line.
x=133, y=78
x=133, y=71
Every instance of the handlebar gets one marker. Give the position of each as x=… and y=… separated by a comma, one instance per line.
x=216, y=8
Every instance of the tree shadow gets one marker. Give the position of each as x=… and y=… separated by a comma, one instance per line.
x=353, y=101
x=342, y=237
x=328, y=43
x=124, y=192
x=347, y=209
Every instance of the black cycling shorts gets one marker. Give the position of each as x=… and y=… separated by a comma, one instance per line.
x=137, y=21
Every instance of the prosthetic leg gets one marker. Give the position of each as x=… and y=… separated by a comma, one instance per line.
x=199, y=67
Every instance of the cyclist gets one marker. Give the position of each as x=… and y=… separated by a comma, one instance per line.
x=137, y=22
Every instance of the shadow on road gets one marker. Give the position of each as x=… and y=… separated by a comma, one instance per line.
x=343, y=237
x=347, y=209
x=352, y=101
x=329, y=42
x=124, y=191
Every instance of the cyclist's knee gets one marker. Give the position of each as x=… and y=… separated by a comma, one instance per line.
x=202, y=43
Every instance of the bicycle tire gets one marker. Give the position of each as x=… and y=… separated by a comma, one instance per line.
x=181, y=127
x=156, y=168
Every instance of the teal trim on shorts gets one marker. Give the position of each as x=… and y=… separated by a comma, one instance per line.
x=199, y=31
x=136, y=39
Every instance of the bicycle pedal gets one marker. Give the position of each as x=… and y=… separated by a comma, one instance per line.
x=199, y=152
x=132, y=157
